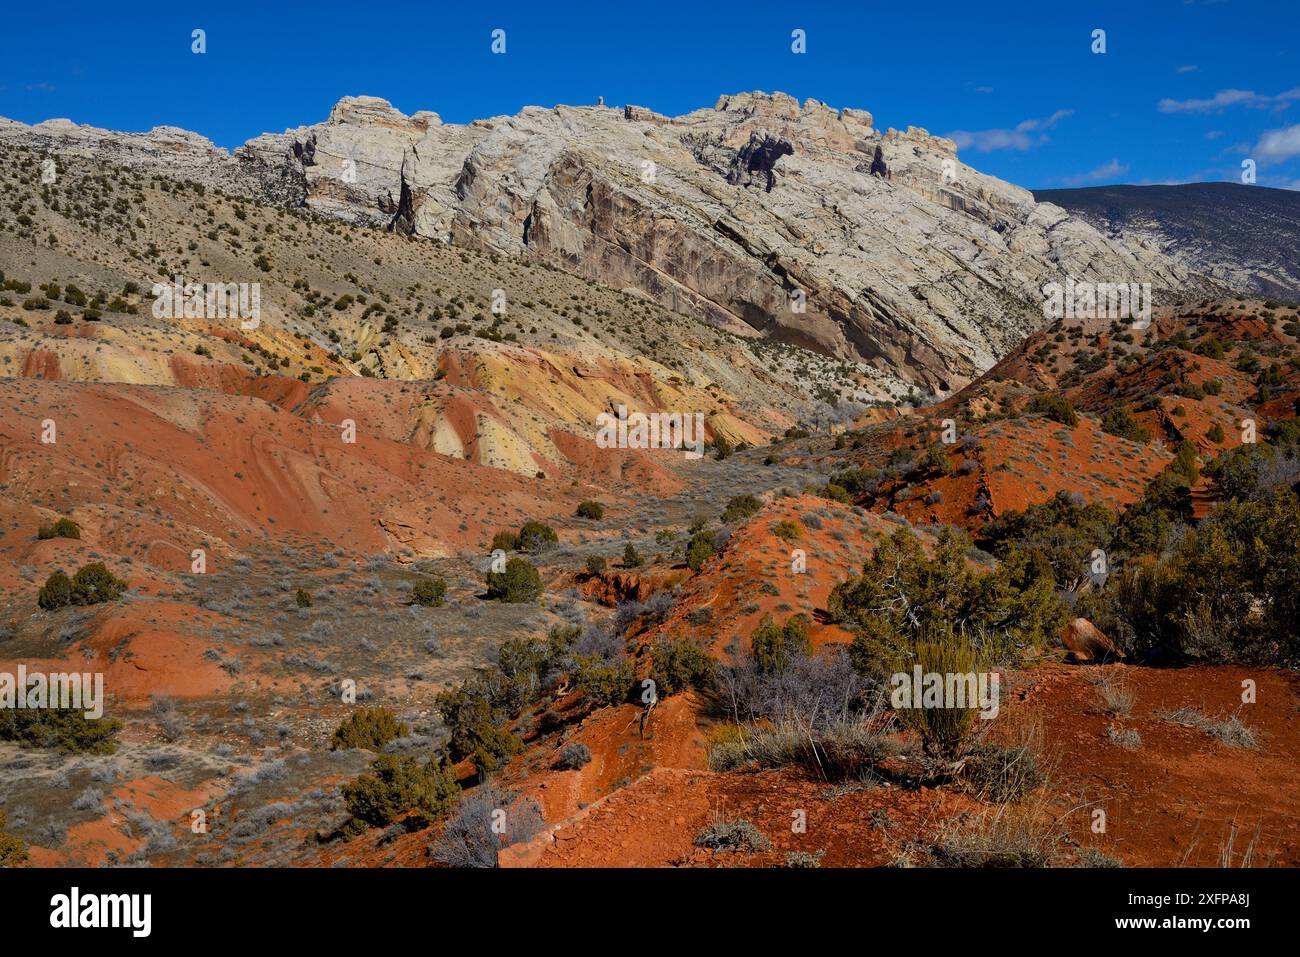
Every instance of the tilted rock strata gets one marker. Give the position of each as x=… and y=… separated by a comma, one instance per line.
x=799, y=222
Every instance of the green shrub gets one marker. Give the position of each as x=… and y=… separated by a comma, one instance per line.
x=1233, y=584
x=1230, y=730
x=680, y=664
x=396, y=785
x=739, y=508
x=1184, y=464
x=495, y=747
x=591, y=510
x=604, y=682
x=63, y=528
x=1237, y=473
x=943, y=730
x=303, y=598
x=505, y=541
x=56, y=592
x=519, y=583
x=903, y=595
x=368, y=728
x=631, y=557
x=560, y=641
x=1120, y=422
x=1091, y=857
x=1148, y=524
x=13, y=852
x=836, y=493
x=95, y=584
x=430, y=592
x=935, y=459
x=595, y=565
x=1061, y=533
x=535, y=536
x=856, y=481
x=1222, y=590
x=1210, y=347
x=1057, y=408
x=775, y=648
x=1271, y=382
x=700, y=550
x=787, y=530
x=525, y=658
x=471, y=714
x=465, y=712
x=59, y=729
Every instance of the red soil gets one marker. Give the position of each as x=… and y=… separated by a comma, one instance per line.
x=1173, y=801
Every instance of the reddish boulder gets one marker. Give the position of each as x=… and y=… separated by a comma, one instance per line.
x=1085, y=642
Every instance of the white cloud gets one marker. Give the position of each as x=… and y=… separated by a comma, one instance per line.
x=1112, y=170
x=1025, y=134
x=1276, y=146
x=1213, y=134
x=1226, y=98
x=1189, y=68
x=1046, y=124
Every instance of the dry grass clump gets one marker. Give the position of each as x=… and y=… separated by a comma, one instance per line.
x=1231, y=730
x=1002, y=837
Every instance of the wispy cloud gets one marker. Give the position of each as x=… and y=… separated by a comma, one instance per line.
x=1213, y=134
x=1209, y=174
x=1189, y=68
x=1226, y=98
x=1105, y=171
x=39, y=88
x=1024, y=135
x=1277, y=146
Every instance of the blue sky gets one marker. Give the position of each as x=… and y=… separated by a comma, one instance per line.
x=1185, y=91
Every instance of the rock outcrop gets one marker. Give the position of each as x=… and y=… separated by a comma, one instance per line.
x=1248, y=237
x=1084, y=642
x=755, y=163
x=764, y=216
x=167, y=151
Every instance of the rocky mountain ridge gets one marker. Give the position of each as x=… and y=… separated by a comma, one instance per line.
x=1246, y=236
x=767, y=217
